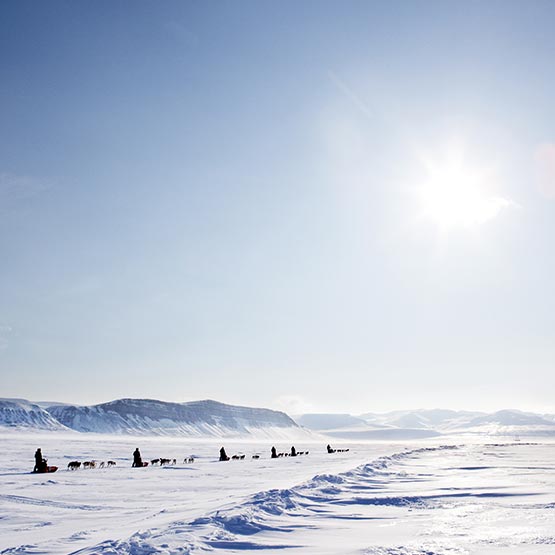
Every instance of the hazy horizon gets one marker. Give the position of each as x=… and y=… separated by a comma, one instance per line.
x=292, y=413
x=307, y=206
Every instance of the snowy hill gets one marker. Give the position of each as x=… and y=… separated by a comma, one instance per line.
x=193, y=419
x=432, y=419
x=19, y=413
x=328, y=421
x=214, y=419
x=511, y=418
x=428, y=423
x=346, y=426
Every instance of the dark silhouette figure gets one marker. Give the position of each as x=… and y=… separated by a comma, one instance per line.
x=293, y=451
x=330, y=450
x=223, y=455
x=40, y=463
x=274, y=453
x=38, y=460
x=137, y=460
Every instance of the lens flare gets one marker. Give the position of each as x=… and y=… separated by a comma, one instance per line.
x=455, y=195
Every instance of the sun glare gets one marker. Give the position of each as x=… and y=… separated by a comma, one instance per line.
x=455, y=195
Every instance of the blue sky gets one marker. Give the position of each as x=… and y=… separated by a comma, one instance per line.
x=246, y=201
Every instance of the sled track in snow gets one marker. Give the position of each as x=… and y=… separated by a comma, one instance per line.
x=48, y=503
x=227, y=528
x=364, y=494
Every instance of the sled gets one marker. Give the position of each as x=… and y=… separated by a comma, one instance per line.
x=44, y=471
x=143, y=465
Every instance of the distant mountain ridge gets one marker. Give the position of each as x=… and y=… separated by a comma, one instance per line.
x=328, y=421
x=20, y=413
x=152, y=417
x=214, y=419
x=414, y=424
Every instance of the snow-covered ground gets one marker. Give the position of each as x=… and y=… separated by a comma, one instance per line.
x=435, y=497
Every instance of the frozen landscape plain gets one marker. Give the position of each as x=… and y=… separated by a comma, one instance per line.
x=443, y=496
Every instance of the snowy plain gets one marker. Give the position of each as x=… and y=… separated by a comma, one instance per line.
x=443, y=496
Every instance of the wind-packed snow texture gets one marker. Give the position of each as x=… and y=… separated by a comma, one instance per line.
x=456, y=498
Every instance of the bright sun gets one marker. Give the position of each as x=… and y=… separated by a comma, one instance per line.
x=455, y=195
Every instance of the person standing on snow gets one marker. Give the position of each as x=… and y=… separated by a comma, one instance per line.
x=137, y=460
x=40, y=463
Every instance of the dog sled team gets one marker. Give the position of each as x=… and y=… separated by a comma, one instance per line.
x=293, y=453
x=275, y=455
x=161, y=461
x=41, y=464
x=330, y=450
x=76, y=465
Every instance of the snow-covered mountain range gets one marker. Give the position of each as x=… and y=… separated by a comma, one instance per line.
x=19, y=413
x=412, y=424
x=152, y=417
x=214, y=419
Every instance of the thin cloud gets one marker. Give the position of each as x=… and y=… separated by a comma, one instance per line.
x=350, y=94
x=544, y=158
x=293, y=404
x=5, y=331
x=17, y=189
x=182, y=34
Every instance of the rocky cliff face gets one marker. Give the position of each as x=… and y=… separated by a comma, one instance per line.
x=198, y=418
x=19, y=413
